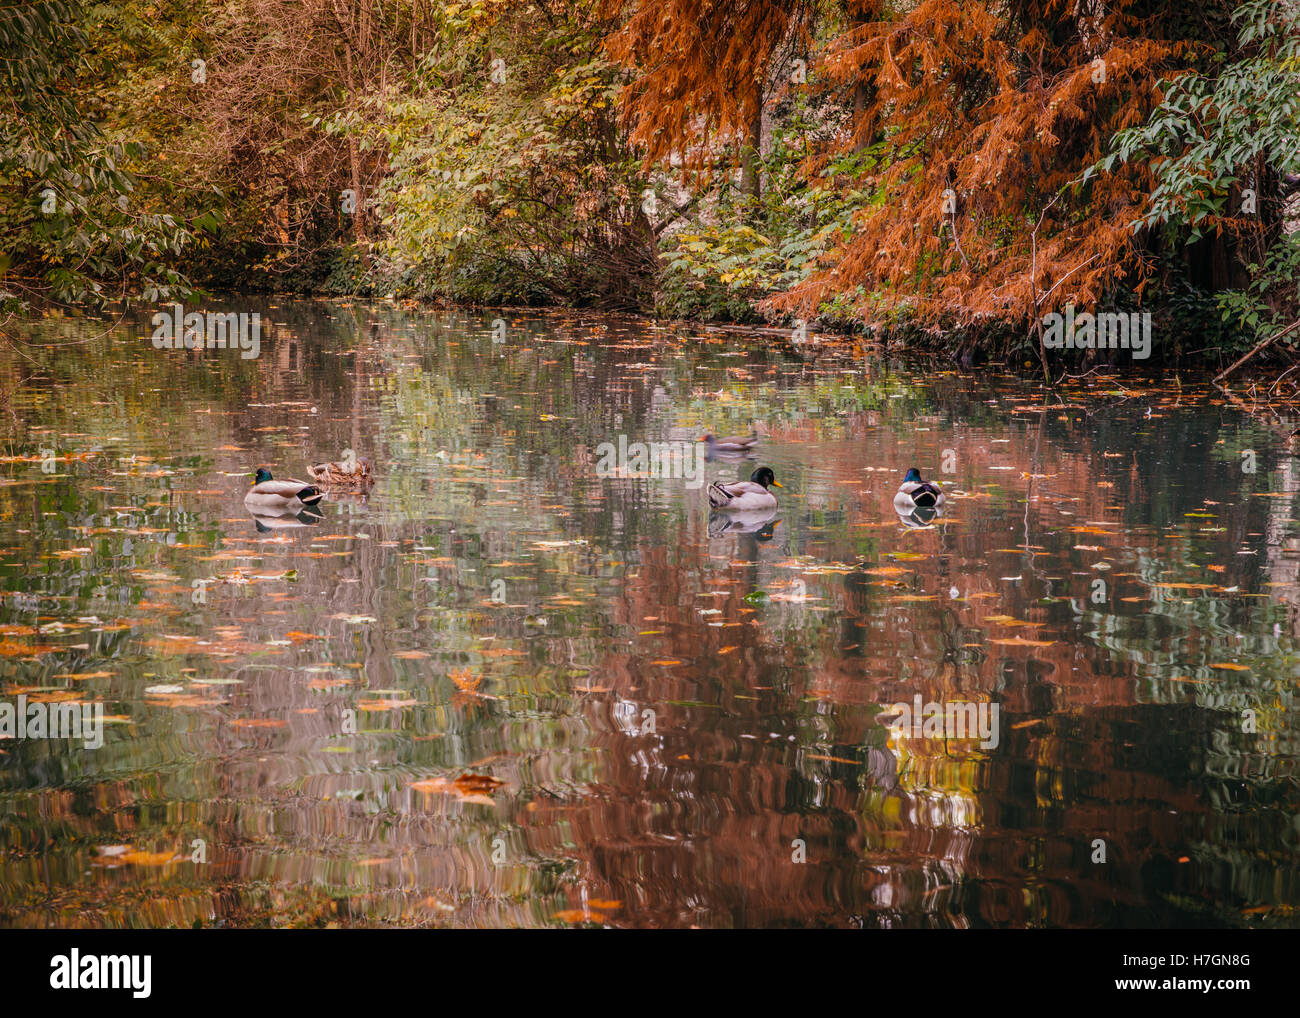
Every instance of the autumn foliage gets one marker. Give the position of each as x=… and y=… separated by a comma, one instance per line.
x=976, y=121
x=947, y=164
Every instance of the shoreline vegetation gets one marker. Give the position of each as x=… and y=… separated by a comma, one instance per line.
x=942, y=179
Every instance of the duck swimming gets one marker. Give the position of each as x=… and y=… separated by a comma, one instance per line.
x=734, y=446
x=915, y=493
x=343, y=473
x=745, y=496
x=288, y=494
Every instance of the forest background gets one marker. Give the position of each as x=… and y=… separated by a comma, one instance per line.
x=935, y=172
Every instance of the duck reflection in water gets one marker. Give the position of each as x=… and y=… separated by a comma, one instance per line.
x=266, y=522
x=762, y=523
x=920, y=517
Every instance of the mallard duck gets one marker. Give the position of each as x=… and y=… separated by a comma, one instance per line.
x=343, y=473
x=291, y=495
x=735, y=445
x=745, y=496
x=915, y=493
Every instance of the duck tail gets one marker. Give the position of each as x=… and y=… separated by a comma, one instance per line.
x=310, y=495
x=926, y=495
x=718, y=496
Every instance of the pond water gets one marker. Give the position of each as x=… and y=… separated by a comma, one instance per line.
x=503, y=687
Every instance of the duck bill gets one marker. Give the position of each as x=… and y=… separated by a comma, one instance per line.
x=777, y=484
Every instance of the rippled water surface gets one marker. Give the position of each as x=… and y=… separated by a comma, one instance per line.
x=502, y=689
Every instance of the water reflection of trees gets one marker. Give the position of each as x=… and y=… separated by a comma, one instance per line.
x=765, y=725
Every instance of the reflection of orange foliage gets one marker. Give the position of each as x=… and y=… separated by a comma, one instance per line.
x=465, y=679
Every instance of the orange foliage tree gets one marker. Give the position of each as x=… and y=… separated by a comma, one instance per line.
x=702, y=75
x=970, y=123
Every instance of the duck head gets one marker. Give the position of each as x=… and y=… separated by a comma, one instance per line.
x=765, y=477
x=262, y=475
x=913, y=476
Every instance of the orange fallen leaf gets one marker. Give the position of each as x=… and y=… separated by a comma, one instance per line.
x=830, y=759
x=475, y=788
x=137, y=858
x=579, y=915
x=53, y=696
x=477, y=783
x=12, y=648
x=385, y=704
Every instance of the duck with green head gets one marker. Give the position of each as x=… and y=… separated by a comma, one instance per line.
x=745, y=496
x=915, y=493
x=285, y=495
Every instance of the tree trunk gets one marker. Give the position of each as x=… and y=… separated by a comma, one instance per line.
x=863, y=94
x=354, y=160
x=751, y=155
